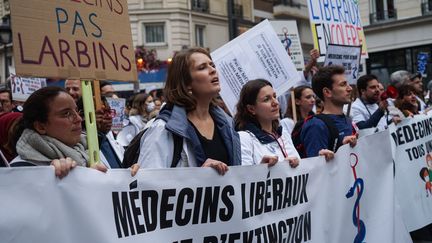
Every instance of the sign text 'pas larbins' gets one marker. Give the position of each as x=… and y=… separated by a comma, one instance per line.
x=73, y=39
x=139, y=212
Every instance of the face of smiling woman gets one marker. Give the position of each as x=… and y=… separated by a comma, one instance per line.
x=64, y=122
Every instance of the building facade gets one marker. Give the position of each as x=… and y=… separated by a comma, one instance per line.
x=397, y=31
x=170, y=25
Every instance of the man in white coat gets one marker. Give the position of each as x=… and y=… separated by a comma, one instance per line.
x=368, y=111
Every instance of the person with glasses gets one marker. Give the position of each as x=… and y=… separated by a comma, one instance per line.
x=50, y=133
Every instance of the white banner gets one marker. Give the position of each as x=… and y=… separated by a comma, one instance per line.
x=346, y=56
x=257, y=53
x=349, y=199
x=413, y=160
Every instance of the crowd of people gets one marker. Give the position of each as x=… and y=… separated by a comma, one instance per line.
x=187, y=125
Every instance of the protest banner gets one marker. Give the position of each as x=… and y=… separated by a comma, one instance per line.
x=336, y=22
x=257, y=53
x=346, y=56
x=413, y=165
x=22, y=87
x=117, y=112
x=349, y=199
x=290, y=38
x=73, y=39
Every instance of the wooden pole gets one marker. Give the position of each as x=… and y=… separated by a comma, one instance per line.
x=294, y=108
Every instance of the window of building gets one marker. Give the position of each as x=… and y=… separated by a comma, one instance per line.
x=383, y=64
x=154, y=33
x=200, y=5
x=426, y=7
x=199, y=35
x=382, y=10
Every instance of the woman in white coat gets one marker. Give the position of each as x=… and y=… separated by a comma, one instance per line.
x=191, y=116
x=257, y=120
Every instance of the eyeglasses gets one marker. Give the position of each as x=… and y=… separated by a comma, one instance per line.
x=71, y=115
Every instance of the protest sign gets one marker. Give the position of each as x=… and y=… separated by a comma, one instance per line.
x=336, y=22
x=422, y=60
x=413, y=161
x=257, y=53
x=290, y=38
x=22, y=87
x=73, y=39
x=348, y=198
x=117, y=112
x=346, y=56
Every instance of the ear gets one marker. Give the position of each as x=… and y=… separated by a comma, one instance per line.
x=297, y=101
x=39, y=127
x=251, y=109
x=327, y=92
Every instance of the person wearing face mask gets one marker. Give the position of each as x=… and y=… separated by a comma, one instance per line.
x=141, y=112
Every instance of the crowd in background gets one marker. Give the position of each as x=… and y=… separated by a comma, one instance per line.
x=188, y=125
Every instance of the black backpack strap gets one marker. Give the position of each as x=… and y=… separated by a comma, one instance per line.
x=132, y=151
x=333, y=141
x=178, y=147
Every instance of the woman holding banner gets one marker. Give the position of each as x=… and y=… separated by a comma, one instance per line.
x=257, y=118
x=191, y=116
x=50, y=133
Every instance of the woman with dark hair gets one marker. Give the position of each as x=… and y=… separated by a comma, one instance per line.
x=50, y=133
x=407, y=101
x=190, y=113
x=304, y=102
x=257, y=119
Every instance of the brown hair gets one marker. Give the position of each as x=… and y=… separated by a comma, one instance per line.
x=179, y=78
x=138, y=103
x=324, y=79
x=298, y=91
x=248, y=96
x=406, y=107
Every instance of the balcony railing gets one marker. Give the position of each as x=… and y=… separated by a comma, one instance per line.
x=426, y=7
x=383, y=16
x=201, y=6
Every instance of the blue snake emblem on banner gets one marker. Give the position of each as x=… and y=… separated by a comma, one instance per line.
x=358, y=186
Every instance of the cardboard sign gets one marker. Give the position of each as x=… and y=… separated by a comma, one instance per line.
x=336, y=22
x=73, y=39
x=257, y=53
x=22, y=87
x=290, y=38
x=347, y=56
x=117, y=111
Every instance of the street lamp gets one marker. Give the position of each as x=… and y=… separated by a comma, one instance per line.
x=5, y=39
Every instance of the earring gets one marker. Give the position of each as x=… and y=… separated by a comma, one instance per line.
x=190, y=92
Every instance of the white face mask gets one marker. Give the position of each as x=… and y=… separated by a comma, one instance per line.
x=150, y=107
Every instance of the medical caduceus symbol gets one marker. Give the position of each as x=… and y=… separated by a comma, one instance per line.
x=287, y=41
x=358, y=184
